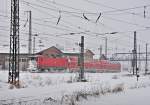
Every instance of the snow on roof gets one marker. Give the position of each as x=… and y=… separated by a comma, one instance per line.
x=71, y=50
x=68, y=51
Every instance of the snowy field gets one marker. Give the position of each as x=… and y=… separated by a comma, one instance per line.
x=138, y=96
x=62, y=89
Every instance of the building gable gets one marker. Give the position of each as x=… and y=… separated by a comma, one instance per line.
x=51, y=52
x=103, y=57
x=89, y=52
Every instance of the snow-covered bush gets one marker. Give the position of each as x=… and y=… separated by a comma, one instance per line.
x=48, y=81
x=11, y=86
x=105, y=88
x=118, y=88
x=70, y=80
x=68, y=100
x=115, y=77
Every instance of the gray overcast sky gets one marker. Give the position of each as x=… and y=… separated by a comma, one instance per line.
x=45, y=14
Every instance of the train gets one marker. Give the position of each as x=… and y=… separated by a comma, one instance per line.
x=71, y=64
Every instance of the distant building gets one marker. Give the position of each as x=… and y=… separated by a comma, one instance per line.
x=88, y=55
x=4, y=61
x=52, y=52
x=103, y=57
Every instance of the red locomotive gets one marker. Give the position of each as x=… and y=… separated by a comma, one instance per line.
x=71, y=64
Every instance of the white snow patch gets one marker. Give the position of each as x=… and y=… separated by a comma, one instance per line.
x=54, y=86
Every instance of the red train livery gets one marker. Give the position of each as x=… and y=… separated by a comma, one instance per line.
x=71, y=64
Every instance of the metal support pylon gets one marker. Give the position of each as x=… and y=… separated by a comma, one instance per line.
x=81, y=63
x=13, y=75
x=134, y=51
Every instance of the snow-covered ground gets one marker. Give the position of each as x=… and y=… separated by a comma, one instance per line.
x=129, y=97
x=61, y=88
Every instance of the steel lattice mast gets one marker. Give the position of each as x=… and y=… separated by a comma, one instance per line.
x=81, y=60
x=14, y=44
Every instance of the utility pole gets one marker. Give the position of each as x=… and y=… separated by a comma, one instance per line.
x=106, y=47
x=100, y=51
x=13, y=75
x=134, y=51
x=146, y=65
x=135, y=56
x=139, y=59
x=30, y=33
x=116, y=49
x=136, y=68
x=34, y=43
x=133, y=61
x=81, y=74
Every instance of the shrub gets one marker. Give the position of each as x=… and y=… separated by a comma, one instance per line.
x=11, y=86
x=118, y=88
x=115, y=77
x=48, y=81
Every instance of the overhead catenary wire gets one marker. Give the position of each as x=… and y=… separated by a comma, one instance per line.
x=97, y=33
x=84, y=17
x=68, y=38
x=90, y=34
x=95, y=3
x=118, y=10
x=60, y=36
x=45, y=25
